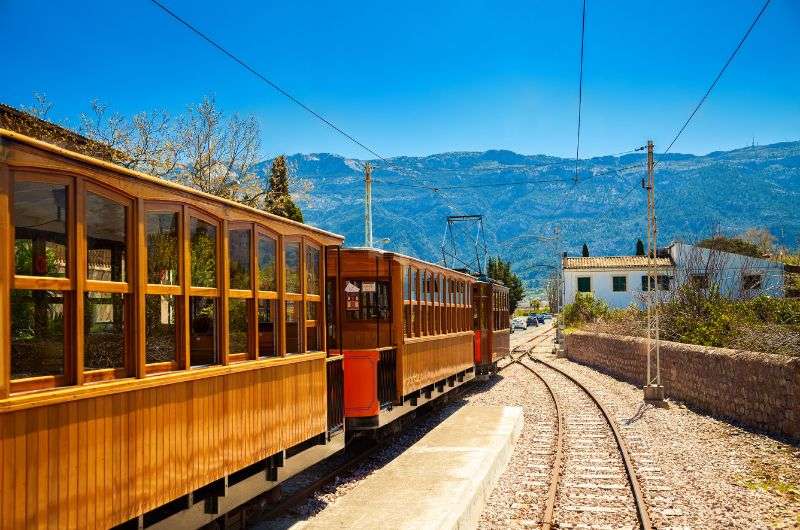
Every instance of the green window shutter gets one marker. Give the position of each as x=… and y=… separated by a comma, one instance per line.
x=584, y=285
x=620, y=283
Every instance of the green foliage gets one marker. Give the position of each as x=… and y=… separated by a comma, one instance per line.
x=585, y=250
x=733, y=245
x=586, y=308
x=278, y=200
x=639, y=247
x=498, y=269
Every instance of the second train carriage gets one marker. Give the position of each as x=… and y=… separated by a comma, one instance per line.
x=408, y=330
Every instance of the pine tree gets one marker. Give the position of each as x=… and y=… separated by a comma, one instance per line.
x=639, y=247
x=585, y=251
x=498, y=269
x=278, y=200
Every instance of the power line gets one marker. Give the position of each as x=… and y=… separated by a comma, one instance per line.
x=267, y=81
x=580, y=91
x=719, y=75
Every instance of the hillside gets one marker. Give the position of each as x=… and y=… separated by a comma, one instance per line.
x=729, y=191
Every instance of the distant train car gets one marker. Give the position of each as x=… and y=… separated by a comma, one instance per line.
x=404, y=328
x=490, y=322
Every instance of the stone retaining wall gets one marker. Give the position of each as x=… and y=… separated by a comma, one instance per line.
x=758, y=390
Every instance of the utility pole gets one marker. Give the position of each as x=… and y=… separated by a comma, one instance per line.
x=368, y=205
x=653, y=391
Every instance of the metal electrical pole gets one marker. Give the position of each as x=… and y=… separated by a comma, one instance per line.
x=368, y=205
x=653, y=391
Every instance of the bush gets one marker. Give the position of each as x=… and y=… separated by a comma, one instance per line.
x=585, y=309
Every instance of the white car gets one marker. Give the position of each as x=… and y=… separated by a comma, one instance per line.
x=519, y=323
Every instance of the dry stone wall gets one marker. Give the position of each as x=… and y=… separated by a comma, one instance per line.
x=758, y=390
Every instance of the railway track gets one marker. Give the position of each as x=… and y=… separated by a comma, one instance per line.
x=591, y=478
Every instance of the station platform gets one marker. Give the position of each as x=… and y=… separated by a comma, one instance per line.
x=441, y=482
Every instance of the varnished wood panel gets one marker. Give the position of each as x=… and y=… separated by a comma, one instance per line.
x=103, y=460
x=427, y=360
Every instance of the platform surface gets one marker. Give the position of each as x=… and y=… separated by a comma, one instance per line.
x=441, y=482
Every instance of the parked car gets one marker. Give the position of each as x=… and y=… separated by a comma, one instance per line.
x=540, y=319
x=532, y=321
x=519, y=323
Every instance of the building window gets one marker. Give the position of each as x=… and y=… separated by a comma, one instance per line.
x=664, y=282
x=698, y=281
x=584, y=284
x=203, y=331
x=37, y=333
x=106, y=239
x=620, y=284
x=160, y=329
x=751, y=282
x=40, y=229
x=104, y=342
x=268, y=328
x=203, y=241
x=239, y=258
x=267, y=277
x=162, y=248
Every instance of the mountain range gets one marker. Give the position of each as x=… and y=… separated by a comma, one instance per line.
x=534, y=208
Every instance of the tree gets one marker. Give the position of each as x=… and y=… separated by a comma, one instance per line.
x=734, y=245
x=761, y=238
x=639, y=247
x=278, y=200
x=497, y=269
x=585, y=251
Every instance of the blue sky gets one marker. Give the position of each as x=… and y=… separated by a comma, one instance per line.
x=421, y=77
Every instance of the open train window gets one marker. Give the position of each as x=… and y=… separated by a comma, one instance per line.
x=367, y=300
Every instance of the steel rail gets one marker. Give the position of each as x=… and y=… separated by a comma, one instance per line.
x=633, y=481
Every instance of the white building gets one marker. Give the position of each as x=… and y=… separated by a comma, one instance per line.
x=735, y=275
x=622, y=280
x=619, y=280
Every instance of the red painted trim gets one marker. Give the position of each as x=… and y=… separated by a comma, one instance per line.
x=361, y=383
x=477, y=346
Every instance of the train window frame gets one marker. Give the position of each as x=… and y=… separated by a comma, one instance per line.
x=103, y=287
x=191, y=291
x=308, y=297
x=248, y=295
x=177, y=290
x=62, y=285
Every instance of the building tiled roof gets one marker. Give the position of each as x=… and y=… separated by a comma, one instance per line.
x=613, y=262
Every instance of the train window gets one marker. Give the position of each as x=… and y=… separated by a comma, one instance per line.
x=239, y=325
x=40, y=229
x=203, y=331
x=160, y=328
x=106, y=239
x=292, y=267
x=37, y=333
x=267, y=273
x=268, y=328
x=293, y=315
x=239, y=258
x=104, y=330
x=312, y=269
x=312, y=330
x=406, y=283
x=367, y=300
x=414, y=283
x=330, y=313
x=203, y=240
x=162, y=248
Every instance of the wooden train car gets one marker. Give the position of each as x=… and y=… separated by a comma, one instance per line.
x=491, y=325
x=162, y=351
x=404, y=328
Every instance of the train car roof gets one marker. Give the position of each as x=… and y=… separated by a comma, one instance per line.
x=410, y=258
x=9, y=135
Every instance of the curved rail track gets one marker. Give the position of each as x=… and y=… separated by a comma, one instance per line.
x=588, y=455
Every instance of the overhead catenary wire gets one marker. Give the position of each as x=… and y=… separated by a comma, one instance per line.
x=718, y=77
x=580, y=91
